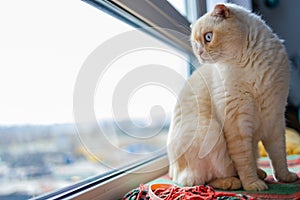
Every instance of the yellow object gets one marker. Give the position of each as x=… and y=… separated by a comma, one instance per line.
x=292, y=143
x=88, y=155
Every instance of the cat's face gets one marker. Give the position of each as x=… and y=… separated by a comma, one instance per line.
x=218, y=36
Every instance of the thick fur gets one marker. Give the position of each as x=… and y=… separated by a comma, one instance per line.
x=235, y=99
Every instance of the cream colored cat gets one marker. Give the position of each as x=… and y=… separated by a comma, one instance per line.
x=235, y=99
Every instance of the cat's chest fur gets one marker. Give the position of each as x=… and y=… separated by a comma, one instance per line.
x=242, y=94
x=239, y=92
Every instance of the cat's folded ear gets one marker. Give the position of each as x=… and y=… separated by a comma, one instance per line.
x=220, y=10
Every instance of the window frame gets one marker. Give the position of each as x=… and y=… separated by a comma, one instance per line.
x=158, y=18
x=104, y=186
x=116, y=187
x=116, y=183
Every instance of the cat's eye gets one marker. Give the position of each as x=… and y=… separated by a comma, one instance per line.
x=208, y=36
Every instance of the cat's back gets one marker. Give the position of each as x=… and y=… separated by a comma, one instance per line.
x=198, y=96
x=199, y=84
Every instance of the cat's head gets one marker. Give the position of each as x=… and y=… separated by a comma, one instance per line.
x=219, y=36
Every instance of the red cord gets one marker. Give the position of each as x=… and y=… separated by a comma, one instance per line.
x=192, y=193
x=141, y=189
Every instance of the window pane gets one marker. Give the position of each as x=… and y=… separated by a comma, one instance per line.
x=179, y=5
x=44, y=48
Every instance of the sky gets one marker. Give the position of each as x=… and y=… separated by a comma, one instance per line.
x=43, y=45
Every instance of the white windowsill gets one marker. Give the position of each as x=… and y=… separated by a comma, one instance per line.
x=117, y=187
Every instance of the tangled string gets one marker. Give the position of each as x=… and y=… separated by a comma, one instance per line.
x=185, y=193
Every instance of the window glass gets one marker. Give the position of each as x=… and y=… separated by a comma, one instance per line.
x=179, y=5
x=46, y=143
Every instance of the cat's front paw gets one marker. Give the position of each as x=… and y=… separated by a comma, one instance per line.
x=289, y=177
x=258, y=185
x=187, y=178
x=229, y=183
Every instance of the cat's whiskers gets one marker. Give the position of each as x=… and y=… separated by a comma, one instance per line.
x=215, y=56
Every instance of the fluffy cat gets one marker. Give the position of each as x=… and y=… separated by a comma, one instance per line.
x=235, y=99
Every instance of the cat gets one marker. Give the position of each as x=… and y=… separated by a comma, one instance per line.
x=235, y=99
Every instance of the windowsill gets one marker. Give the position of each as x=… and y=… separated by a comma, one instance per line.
x=119, y=184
